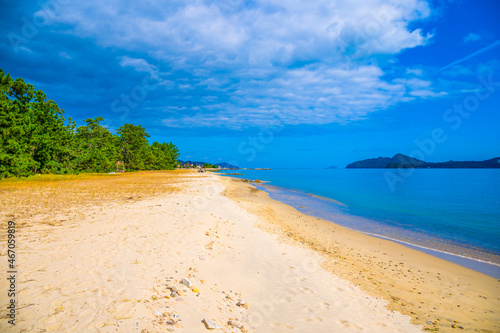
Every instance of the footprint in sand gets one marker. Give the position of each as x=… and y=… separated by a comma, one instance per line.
x=314, y=319
x=306, y=290
x=282, y=326
x=348, y=324
x=307, y=309
x=325, y=305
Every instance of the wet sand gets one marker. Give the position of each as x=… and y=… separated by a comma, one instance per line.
x=331, y=210
x=437, y=294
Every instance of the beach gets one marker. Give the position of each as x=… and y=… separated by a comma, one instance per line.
x=188, y=252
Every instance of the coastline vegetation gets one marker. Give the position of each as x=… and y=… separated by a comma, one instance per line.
x=210, y=166
x=35, y=138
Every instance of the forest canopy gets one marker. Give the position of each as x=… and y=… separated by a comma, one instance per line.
x=36, y=138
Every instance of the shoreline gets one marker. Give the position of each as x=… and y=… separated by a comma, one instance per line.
x=106, y=254
x=480, y=265
x=432, y=290
x=477, y=259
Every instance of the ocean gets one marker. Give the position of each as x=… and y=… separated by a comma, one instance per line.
x=450, y=213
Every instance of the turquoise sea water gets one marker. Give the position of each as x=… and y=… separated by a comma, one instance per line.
x=455, y=211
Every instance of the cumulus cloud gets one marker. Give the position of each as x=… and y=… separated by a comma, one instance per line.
x=235, y=63
x=286, y=31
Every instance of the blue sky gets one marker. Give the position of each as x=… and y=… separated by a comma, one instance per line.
x=271, y=83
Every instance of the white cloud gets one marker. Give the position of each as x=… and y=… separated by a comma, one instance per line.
x=414, y=83
x=310, y=95
x=472, y=37
x=425, y=93
x=140, y=65
x=306, y=59
x=282, y=30
x=417, y=72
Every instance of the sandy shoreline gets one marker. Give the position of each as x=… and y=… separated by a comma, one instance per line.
x=314, y=205
x=429, y=289
x=103, y=264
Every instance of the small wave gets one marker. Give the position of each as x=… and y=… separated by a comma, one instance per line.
x=433, y=249
x=291, y=200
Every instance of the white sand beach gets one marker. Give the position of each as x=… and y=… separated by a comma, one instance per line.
x=117, y=266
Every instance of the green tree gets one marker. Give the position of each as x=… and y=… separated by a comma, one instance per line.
x=134, y=146
x=173, y=155
x=97, y=149
x=33, y=136
x=208, y=165
x=15, y=155
x=165, y=156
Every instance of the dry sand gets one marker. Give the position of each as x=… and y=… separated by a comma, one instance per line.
x=99, y=254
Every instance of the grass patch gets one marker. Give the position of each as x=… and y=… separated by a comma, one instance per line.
x=54, y=200
x=53, y=178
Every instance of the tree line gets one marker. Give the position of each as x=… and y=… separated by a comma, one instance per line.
x=36, y=138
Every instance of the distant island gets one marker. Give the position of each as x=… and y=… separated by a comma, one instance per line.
x=332, y=167
x=403, y=161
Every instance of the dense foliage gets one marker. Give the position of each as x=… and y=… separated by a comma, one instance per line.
x=35, y=138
